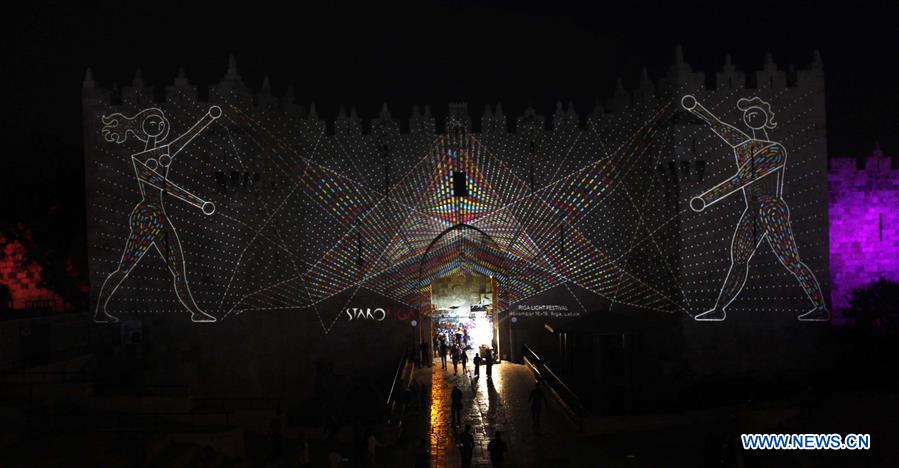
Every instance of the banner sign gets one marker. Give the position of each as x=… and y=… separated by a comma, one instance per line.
x=379, y=314
x=543, y=310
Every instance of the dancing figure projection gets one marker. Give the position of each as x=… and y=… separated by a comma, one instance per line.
x=760, y=178
x=150, y=225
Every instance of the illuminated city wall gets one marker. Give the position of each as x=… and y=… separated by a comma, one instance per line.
x=243, y=204
x=864, y=223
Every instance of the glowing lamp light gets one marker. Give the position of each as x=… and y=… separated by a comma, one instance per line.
x=482, y=332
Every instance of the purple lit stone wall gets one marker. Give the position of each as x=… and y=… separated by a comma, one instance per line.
x=864, y=224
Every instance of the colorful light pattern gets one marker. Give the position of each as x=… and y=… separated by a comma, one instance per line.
x=331, y=213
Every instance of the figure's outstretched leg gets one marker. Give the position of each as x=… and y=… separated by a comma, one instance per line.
x=170, y=248
x=776, y=217
x=135, y=247
x=746, y=239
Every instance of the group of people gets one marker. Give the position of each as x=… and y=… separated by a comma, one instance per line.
x=452, y=348
x=465, y=441
x=455, y=347
x=496, y=447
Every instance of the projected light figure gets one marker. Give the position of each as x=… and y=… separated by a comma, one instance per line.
x=150, y=225
x=759, y=177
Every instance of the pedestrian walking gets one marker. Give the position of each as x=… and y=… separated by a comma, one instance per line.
x=465, y=442
x=477, y=364
x=456, y=406
x=488, y=358
x=536, y=400
x=497, y=448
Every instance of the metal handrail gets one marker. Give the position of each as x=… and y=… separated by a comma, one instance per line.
x=397, y=377
x=569, y=400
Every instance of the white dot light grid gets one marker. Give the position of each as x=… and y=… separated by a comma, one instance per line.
x=303, y=215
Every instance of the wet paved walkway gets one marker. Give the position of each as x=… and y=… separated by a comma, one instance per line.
x=500, y=405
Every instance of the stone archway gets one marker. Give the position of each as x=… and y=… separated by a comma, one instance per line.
x=461, y=248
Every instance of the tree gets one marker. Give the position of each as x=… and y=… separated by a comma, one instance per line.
x=876, y=305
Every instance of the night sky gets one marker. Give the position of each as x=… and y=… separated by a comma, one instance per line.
x=434, y=52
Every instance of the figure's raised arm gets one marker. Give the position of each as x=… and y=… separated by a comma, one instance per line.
x=179, y=143
x=147, y=175
x=764, y=162
x=731, y=135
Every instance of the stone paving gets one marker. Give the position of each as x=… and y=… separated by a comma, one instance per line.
x=500, y=404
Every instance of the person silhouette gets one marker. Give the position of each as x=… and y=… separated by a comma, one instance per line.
x=536, y=399
x=465, y=443
x=150, y=226
x=760, y=178
x=497, y=449
x=456, y=405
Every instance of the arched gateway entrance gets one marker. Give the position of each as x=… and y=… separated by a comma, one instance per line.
x=459, y=278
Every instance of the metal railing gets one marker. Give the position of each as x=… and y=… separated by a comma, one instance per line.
x=571, y=404
x=395, y=388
